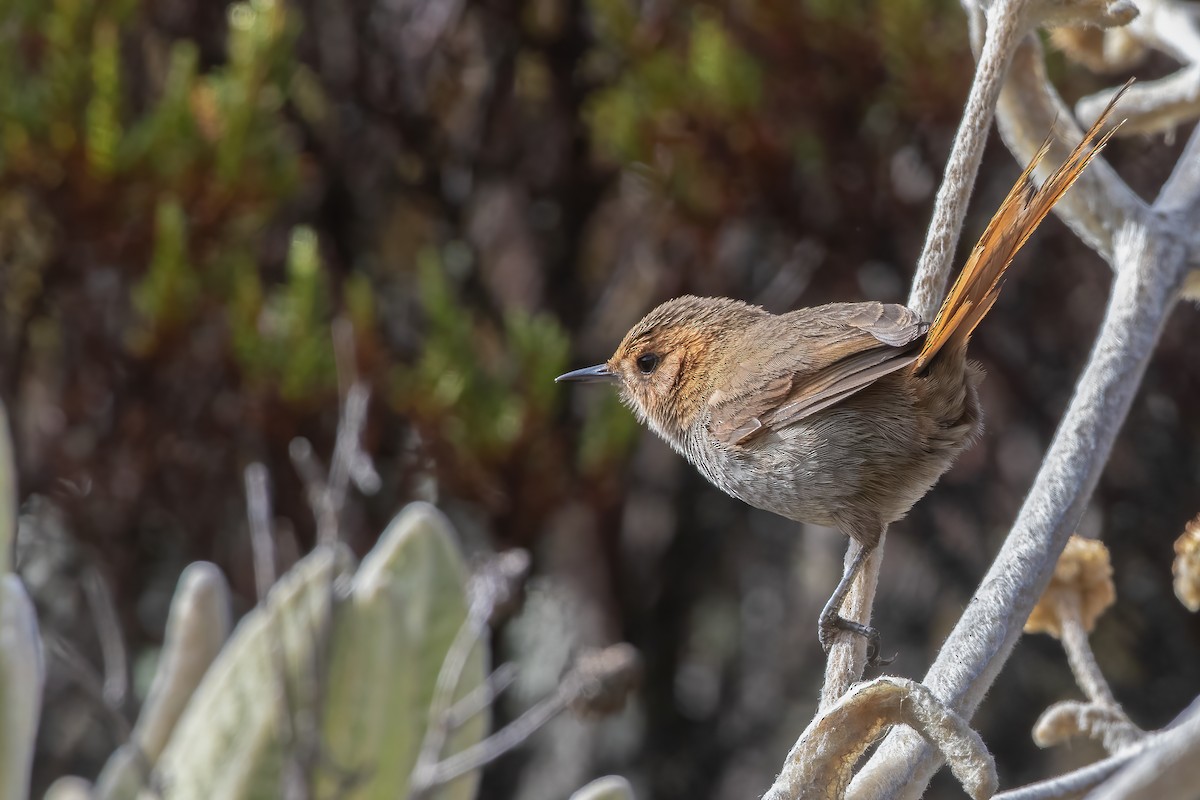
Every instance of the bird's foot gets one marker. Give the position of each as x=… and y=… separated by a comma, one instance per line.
x=829, y=625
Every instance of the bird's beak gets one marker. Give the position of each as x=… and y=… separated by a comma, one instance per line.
x=600, y=372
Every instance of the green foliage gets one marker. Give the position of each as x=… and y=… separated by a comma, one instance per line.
x=706, y=80
x=725, y=76
x=708, y=75
x=488, y=391
x=166, y=295
x=689, y=101
x=484, y=388
x=250, y=92
x=203, y=166
x=103, y=123
x=283, y=338
x=917, y=39
x=168, y=139
x=609, y=432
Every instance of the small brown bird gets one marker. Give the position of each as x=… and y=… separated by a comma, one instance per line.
x=841, y=415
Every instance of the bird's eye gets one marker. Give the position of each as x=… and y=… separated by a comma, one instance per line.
x=647, y=362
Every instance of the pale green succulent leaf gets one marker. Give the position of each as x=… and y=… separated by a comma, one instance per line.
x=22, y=673
x=610, y=787
x=229, y=741
x=407, y=605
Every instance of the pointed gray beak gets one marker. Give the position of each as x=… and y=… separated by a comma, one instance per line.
x=600, y=372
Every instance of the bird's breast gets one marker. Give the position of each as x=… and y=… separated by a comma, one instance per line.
x=778, y=472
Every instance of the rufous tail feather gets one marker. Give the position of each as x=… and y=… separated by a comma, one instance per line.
x=978, y=284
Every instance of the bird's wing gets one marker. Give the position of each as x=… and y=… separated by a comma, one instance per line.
x=831, y=353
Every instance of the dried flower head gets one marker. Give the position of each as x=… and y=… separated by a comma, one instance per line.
x=1082, y=586
x=601, y=681
x=1186, y=568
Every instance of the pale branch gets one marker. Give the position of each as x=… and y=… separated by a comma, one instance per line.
x=1151, y=107
x=1009, y=23
x=1180, y=195
x=1146, y=247
x=1151, y=260
x=1073, y=784
x=1082, y=660
x=1100, y=202
x=1157, y=753
x=1168, y=769
x=1171, y=27
x=262, y=541
x=1103, y=722
x=482, y=697
x=1151, y=266
x=821, y=762
x=449, y=676
x=1179, y=205
x=108, y=631
x=1102, y=718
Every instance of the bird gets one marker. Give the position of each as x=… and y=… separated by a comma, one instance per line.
x=842, y=415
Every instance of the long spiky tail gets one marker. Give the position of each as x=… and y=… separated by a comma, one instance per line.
x=978, y=284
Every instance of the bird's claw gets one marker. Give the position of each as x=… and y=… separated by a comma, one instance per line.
x=829, y=626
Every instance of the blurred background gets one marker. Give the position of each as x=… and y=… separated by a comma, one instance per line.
x=491, y=192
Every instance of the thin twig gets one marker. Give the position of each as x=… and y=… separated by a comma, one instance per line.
x=1079, y=653
x=598, y=683
x=510, y=736
x=1179, y=199
x=108, y=631
x=482, y=696
x=8, y=496
x=258, y=511
x=847, y=657
x=349, y=462
x=438, y=727
x=316, y=488
x=86, y=678
x=262, y=543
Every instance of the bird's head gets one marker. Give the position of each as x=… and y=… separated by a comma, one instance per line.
x=668, y=363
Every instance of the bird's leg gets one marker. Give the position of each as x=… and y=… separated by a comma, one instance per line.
x=830, y=621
